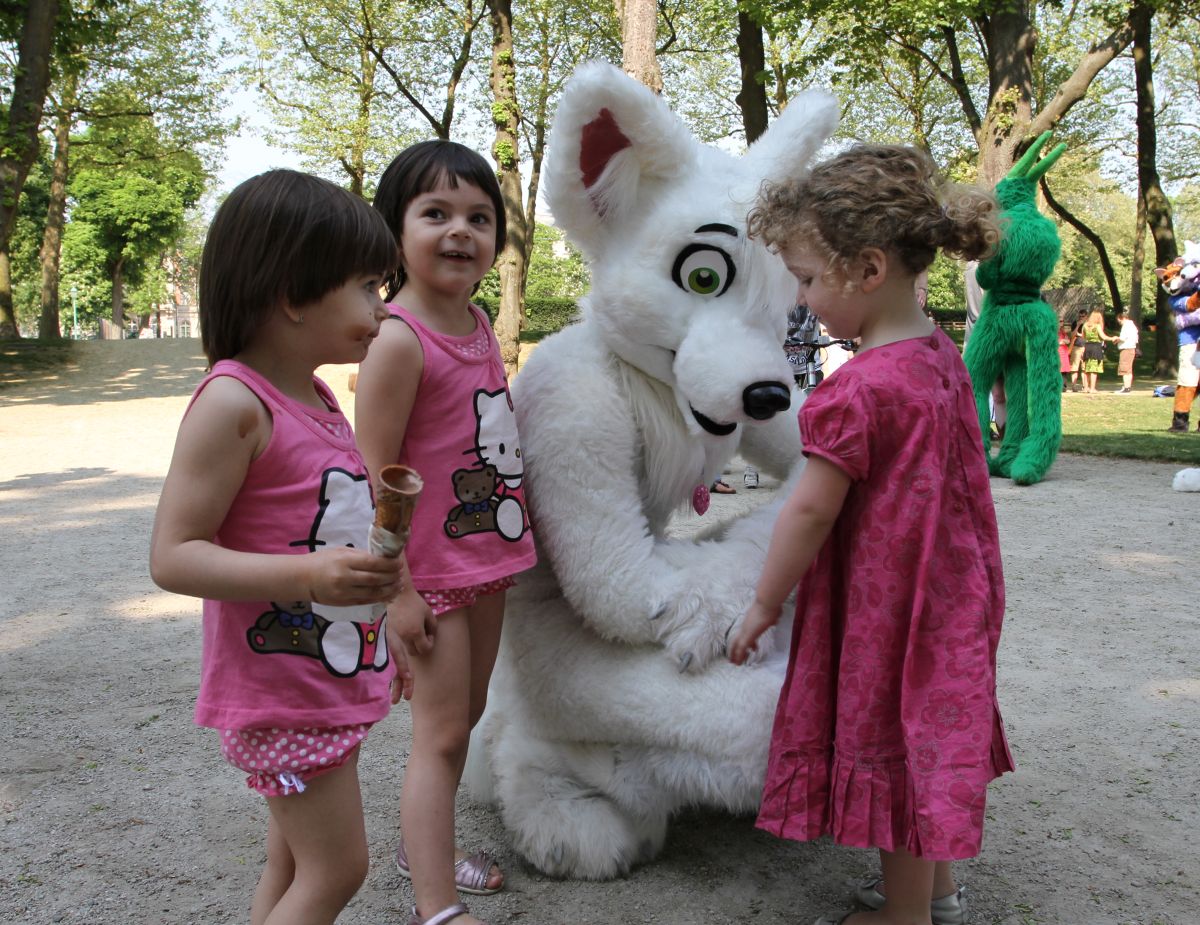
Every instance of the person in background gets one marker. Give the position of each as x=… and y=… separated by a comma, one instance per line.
x=1064, y=351
x=1095, y=337
x=1127, y=345
x=1077, y=345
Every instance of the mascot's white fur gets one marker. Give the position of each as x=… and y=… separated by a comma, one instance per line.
x=1189, y=479
x=613, y=704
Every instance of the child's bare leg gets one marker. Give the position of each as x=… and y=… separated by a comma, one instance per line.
x=486, y=619
x=441, y=728
x=327, y=842
x=276, y=876
x=943, y=880
x=909, y=892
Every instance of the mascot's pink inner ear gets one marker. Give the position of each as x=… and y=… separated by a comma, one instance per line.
x=600, y=140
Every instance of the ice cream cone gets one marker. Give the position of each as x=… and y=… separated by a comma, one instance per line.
x=396, y=494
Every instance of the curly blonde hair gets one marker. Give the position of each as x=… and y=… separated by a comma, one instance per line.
x=886, y=196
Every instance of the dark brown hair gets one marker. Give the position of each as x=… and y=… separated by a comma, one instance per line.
x=885, y=196
x=282, y=237
x=419, y=169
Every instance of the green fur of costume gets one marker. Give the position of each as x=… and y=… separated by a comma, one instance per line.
x=1016, y=335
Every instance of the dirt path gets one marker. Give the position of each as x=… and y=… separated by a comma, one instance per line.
x=116, y=809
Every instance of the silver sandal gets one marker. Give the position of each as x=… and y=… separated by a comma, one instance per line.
x=450, y=912
x=950, y=909
x=470, y=873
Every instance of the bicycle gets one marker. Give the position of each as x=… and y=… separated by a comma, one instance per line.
x=805, y=347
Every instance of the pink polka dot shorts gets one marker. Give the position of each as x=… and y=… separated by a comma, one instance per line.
x=441, y=600
x=281, y=761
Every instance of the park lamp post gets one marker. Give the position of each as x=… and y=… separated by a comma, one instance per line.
x=74, y=315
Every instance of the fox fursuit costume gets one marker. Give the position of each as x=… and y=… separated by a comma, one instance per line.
x=613, y=704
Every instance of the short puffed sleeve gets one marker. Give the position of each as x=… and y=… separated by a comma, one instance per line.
x=835, y=424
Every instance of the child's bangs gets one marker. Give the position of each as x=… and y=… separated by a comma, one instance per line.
x=455, y=164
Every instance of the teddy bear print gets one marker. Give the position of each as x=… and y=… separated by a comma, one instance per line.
x=476, y=510
x=344, y=647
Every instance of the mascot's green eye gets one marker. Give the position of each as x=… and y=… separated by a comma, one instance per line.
x=703, y=280
x=702, y=269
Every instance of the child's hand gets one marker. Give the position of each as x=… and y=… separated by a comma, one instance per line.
x=758, y=619
x=411, y=626
x=345, y=576
x=402, y=683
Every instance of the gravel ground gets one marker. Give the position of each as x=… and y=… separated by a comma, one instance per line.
x=116, y=809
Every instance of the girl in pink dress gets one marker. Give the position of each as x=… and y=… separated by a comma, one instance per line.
x=265, y=497
x=433, y=395
x=888, y=730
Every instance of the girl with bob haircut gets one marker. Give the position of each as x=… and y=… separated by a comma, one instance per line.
x=887, y=730
x=264, y=502
x=433, y=395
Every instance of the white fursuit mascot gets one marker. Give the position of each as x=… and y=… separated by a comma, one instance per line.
x=613, y=704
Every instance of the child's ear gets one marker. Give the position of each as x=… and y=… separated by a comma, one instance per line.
x=873, y=267
x=293, y=313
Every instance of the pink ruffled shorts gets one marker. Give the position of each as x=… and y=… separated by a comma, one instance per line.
x=441, y=600
x=281, y=761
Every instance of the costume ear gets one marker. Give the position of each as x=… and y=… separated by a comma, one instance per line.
x=612, y=141
x=784, y=151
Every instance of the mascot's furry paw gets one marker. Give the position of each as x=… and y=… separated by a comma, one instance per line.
x=1187, y=480
x=696, y=628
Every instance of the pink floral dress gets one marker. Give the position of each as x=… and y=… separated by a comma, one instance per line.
x=888, y=731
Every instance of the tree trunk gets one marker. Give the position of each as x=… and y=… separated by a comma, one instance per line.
x=1139, y=258
x=1158, y=208
x=8, y=318
x=752, y=97
x=639, y=30
x=536, y=156
x=51, y=252
x=118, y=294
x=511, y=261
x=780, y=73
x=19, y=144
x=1010, y=38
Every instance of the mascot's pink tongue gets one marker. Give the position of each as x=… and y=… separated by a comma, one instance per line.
x=700, y=499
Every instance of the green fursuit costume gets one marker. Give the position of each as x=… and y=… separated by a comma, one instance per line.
x=1016, y=335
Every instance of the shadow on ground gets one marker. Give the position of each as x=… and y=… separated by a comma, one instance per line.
x=84, y=372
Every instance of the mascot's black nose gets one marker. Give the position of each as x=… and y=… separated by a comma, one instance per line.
x=765, y=399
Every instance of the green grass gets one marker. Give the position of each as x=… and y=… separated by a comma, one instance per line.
x=1125, y=426
x=1131, y=426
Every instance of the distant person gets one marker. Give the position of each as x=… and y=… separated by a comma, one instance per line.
x=888, y=730
x=265, y=495
x=1077, y=345
x=1094, y=339
x=1064, y=351
x=1127, y=346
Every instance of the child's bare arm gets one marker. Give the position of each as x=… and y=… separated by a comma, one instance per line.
x=801, y=530
x=384, y=394
x=226, y=428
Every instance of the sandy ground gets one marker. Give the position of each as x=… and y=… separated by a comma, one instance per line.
x=116, y=809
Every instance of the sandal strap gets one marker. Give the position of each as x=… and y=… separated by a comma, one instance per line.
x=450, y=912
x=473, y=871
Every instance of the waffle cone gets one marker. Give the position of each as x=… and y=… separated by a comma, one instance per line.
x=396, y=495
